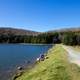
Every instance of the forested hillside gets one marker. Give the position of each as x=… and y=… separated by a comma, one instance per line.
x=65, y=36
x=12, y=35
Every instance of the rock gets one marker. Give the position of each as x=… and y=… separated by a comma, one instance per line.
x=19, y=68
x=28, y=62
x=46, y=57
x=38, y=59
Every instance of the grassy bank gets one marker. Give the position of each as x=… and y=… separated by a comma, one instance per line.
x=56, y=67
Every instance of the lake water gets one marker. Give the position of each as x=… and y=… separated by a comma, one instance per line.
x=13, y=55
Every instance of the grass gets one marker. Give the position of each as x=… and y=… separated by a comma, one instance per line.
x=56, y=67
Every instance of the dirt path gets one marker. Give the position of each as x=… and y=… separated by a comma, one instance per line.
x=74, y=56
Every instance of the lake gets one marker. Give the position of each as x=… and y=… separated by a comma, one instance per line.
x=14, y=55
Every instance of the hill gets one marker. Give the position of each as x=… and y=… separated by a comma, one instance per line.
x=29, y=32
x=12, y=35
x=65, y=30
x=17, y=31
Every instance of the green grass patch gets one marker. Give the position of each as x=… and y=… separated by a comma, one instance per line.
x=56, y=67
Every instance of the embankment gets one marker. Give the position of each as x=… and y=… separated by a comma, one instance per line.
x=56, y=67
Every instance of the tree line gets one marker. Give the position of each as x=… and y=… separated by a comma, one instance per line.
x=68, y=38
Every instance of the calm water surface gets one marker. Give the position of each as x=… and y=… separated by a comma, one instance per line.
x=13, y=55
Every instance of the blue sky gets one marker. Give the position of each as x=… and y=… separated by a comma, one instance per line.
x=40, y=15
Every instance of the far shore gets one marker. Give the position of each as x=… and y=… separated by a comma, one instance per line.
x=27, y=43
x=34, y=44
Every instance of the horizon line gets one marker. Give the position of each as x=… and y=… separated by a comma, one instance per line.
x=54, y=29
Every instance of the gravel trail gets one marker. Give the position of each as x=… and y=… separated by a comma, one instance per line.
x=74, y=56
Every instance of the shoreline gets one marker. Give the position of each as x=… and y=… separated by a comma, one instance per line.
x=26, y=44
x=57, y=63
x=14, y=69
x=29, y=67
x=19, y=73
x=34, y=44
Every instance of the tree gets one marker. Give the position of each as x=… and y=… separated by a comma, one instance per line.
x=69, y=39
x=78, y=39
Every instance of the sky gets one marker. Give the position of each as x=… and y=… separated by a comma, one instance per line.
x=40, y=15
